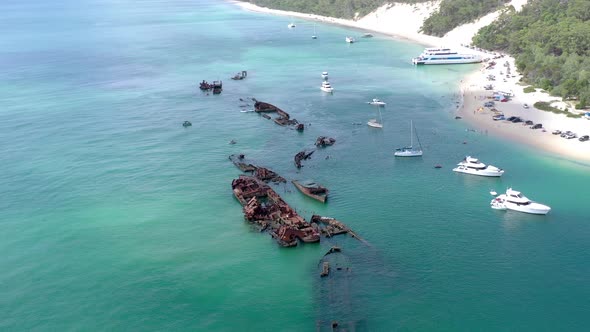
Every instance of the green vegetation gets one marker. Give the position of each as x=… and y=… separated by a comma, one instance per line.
x=453, y=13
x=529, y=89
x=545, y=106
x=550, y=40
x=333, y=8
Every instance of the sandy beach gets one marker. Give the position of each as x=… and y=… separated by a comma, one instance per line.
x=403, y=21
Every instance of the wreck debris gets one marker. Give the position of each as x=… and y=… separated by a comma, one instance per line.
x=239, y=161
x=330, y=227
x=283, y=119
x=312, y=189
x=302, y=156
x=216, y=86
x=266, y=175
x=263, y=206
x=324, y=141
x=240, y=76
x=261, y=173
x=325, y=269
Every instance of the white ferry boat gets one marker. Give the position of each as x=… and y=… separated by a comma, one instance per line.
x=444, y=56
x=516, y=201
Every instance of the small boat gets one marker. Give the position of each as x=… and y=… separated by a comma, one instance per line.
x=325, y=75
x=377, y=102
x=471, y=165
x=326, y=87
x=312, y=189
x=410, y=151
x=350, y=40
x=291, y=25
x=516, y=201
x=186, y=124
x=374, y=123
x=367, y=35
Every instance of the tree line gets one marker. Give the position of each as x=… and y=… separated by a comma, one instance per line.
x=550, y=40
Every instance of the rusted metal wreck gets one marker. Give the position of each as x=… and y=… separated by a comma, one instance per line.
x=283, y=119
x=264, y=207
x=260, y=173
x=324, y=141
x=302, y=156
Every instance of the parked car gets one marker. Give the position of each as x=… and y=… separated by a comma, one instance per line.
x=537, y=126
x=504, y=100
x=584, y=138
x=488, y=104
x=517, y=120
x=525, y=105
x=528, y=122
x=498, y=117
x=556, y=132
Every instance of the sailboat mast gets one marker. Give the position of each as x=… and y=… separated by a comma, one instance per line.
x=411, y=135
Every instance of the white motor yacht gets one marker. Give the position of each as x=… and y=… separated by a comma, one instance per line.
x=471, y=165
x=377, y=102
x=350, y=40
x=514, y=200
x=325, y=75
x=291, y=25
x=326, y=87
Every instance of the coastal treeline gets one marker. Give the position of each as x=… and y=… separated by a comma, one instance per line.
x=348, y=9
x=550, y=40
x=453, y=13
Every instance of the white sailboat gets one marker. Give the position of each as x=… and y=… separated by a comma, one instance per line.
x=314, y=36
x=374, y=123
x=410, y=151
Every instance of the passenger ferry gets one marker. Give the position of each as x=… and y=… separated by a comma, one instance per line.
x=444, y=56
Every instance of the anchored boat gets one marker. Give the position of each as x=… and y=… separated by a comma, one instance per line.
x=515, y=200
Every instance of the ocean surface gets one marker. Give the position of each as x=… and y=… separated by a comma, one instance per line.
x=114, y=217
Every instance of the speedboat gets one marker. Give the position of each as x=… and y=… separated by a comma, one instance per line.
x=350, y=40
x=291, y=25
x=377, y=102
x=443, y=56
x=325, y=75
x=471, y=165
x=515, y=200
x=326, y=87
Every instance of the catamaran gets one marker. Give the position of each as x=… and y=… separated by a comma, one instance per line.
x=410, y=151
x=444, y=56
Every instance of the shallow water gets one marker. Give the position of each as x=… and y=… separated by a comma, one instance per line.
x=113, y=216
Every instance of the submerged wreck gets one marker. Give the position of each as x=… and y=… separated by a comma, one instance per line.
x=302, y=156
x=264, y=207
x=261, y=173
x=283, y=119
x=324, y=141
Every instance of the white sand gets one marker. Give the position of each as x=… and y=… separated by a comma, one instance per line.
x=404, y=21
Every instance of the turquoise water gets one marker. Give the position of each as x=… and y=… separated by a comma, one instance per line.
x=115, y=217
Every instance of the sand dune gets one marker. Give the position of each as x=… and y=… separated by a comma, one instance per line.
x=404, y=21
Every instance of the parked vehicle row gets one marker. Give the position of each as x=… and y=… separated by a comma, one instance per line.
x=570, y=135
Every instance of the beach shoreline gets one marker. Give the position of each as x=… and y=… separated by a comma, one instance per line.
x=409, y=17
